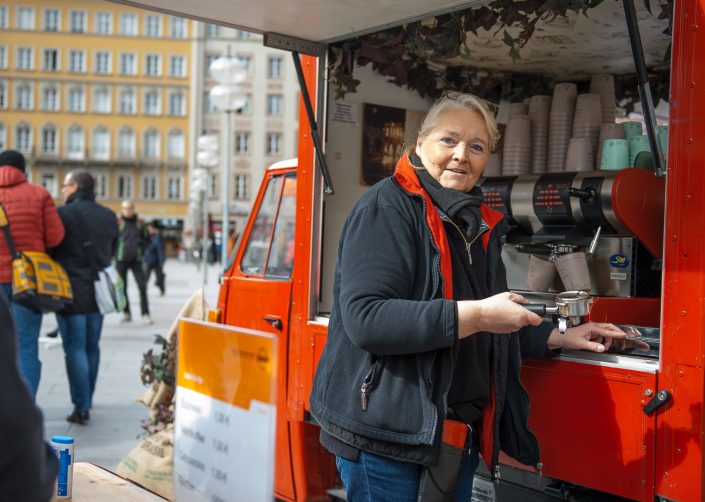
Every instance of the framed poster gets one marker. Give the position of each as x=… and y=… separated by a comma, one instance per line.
x=386, y=132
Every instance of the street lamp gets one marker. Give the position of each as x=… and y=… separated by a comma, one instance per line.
x=227, y=96
x=206, y=157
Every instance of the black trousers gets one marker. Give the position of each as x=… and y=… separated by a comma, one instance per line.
x=136, y=267
x=159, y=271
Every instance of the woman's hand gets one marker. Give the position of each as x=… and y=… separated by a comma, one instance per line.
x=592, y=336
x=500, y=313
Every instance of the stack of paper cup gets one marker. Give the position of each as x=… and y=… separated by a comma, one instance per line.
x=588, y=120
x=518, y=109
x=608, y=131
x=632, y=129
x=539, y=111
x=516, y=156
x=603, y=85
x=560, y=125
x=638, y=144
x=579, y=156
x=494, y=165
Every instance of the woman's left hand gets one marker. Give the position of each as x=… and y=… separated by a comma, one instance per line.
x=592, y=336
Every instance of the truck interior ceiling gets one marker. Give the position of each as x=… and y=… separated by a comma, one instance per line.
x=374, y=111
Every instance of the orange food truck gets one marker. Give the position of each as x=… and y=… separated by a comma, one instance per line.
x=614, y=425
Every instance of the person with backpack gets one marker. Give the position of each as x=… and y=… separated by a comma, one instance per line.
x=132, y=242
x=34, y=226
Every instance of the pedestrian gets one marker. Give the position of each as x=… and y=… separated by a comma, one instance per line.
x=89, y=245
x=422, y=322
x=132, y=242
x=154, y=257
x=28, y=465
x=34, y=226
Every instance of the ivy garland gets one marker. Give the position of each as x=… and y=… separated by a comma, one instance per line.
x=406, y=53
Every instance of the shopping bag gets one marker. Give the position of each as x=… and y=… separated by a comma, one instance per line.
x=39, y=283
x=109, y=291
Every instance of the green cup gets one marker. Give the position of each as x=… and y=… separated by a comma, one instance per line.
x=638, y=144
x=632, y=129
x=662, y=132
x=615, y=154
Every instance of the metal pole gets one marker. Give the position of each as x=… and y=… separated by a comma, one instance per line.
x=227, y=155
x=204, y=245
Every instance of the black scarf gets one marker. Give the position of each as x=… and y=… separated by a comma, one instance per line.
x=462, y=208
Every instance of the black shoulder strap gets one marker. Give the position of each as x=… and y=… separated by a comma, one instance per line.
x=5, y=225
x=87, y=244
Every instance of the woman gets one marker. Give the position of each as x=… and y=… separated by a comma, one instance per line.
x=422, y=326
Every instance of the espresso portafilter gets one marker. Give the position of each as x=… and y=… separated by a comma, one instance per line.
x=570, y=310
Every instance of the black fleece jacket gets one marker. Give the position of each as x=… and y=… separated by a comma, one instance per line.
x=382, y=381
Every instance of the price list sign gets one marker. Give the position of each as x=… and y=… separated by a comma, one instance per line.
x=225, y=413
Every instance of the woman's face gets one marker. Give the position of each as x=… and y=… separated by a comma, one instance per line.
x=456, y=150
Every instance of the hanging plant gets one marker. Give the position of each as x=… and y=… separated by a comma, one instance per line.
x=405, y=54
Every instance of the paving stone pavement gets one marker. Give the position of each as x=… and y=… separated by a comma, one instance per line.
x=114, y=428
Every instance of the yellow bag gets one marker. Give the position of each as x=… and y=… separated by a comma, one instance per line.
x=38, y=282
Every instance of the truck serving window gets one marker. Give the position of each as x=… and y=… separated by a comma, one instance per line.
x=270, y=247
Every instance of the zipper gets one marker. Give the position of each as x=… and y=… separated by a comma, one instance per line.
x=497, y=474
x=468, y=244
x=365, y=387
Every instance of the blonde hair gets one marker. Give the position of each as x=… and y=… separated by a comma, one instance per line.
x=453, y=100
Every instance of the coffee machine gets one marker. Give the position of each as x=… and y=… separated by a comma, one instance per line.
x=614, y=217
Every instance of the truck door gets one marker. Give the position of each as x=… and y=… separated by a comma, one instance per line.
x=258, y=292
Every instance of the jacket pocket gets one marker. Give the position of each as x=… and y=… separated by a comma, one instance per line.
x=369, y=383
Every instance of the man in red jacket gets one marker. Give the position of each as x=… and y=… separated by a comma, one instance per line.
x=35, y=226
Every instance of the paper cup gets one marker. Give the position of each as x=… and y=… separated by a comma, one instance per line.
x=615, y=154
x=541, y=273
x=573, y=271
x=579, y=157
x=638, y=144
x=632, y=129
x=662, y=132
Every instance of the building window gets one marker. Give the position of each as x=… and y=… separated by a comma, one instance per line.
x=176, y=147
x=103, y=23
x=246, y=107
x=3, y=16
x=77, y=100
x=153, y=25
x=177, y=68
x=274, y=104
x=151, y=144
x=128, y=25
x=75, y=143
x=50, y=60
x=177, y=27
x=174, y=188
x=50, y=140
x=51, y=19
x=3, y=138
x=23, y=138
x=101, y=100
x=101, y=185
x=241, y=186
x=126, y=142
x=103, y=64
x=101, y=143
x=48, y=181
x=23, y=97
x=212, y=30
x=212, y=185
x=274, y=67
x=209, y=61
x=128, y=102
x=273, y=143
x=50, y=98
x=77, y=21
x=152, y=65
x=124, y=188
x=176, y=104
x=149, y=187
x=243, y=35
x=208, y=106
x=25, y=58
x=77, y=61
x=25, y=18
x=242, y=142
x=3, y=56
x=247, y=64
x=128, y=63
x=152, y=106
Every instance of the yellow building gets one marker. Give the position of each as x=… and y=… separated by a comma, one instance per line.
x=100, y=86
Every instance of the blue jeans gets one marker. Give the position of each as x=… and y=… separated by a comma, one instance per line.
x=27, y=324
x=80, y=334
x=374, y=478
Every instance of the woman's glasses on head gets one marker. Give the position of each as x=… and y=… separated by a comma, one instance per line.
x=454, y=95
